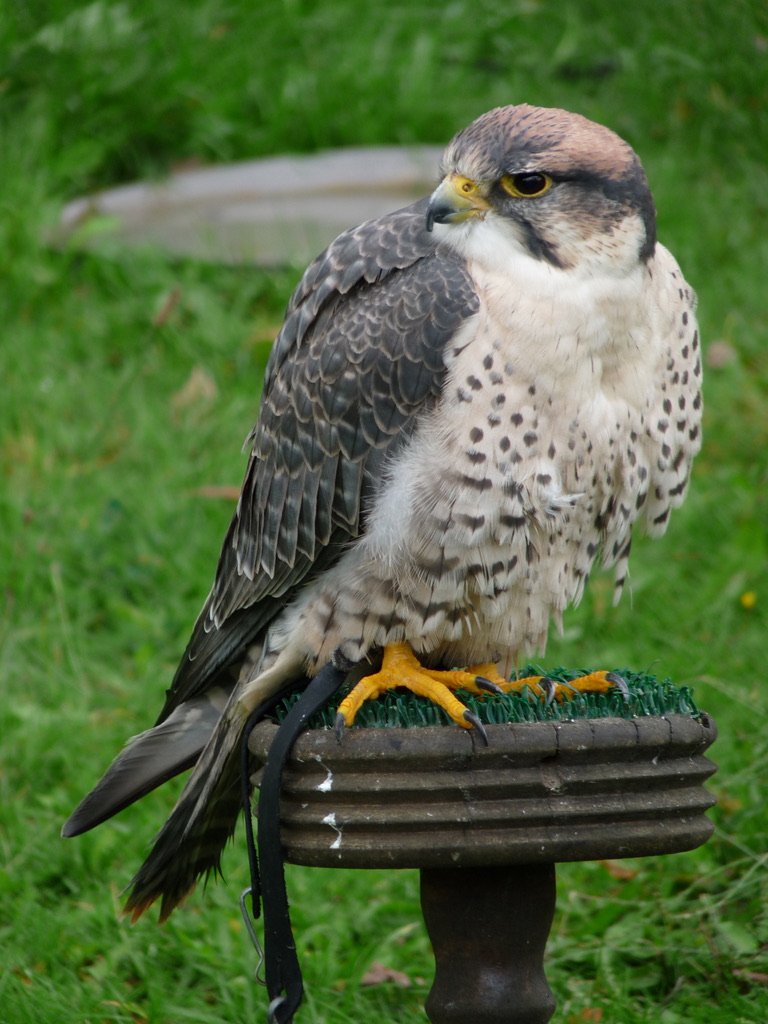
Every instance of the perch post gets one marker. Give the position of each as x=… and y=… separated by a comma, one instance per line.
x=486, y=826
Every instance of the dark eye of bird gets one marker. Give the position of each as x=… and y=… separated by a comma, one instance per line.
x=527, y=185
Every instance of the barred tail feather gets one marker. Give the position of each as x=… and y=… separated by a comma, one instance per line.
x=193, y=838
x=191, y=841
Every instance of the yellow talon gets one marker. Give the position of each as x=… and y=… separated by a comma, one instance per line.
x=401, y=667
x=594, y=682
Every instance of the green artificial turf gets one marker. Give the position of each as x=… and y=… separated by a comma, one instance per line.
x=130, y=379
x=400, y=708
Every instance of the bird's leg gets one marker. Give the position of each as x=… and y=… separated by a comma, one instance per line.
x=400, y=667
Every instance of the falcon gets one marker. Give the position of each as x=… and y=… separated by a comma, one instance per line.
x=470, y=404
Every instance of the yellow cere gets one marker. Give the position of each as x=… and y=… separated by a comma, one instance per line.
x=465, y=186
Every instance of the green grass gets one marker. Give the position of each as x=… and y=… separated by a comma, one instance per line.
x=107, y=546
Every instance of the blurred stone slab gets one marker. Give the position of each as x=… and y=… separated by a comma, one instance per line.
x=280, y=210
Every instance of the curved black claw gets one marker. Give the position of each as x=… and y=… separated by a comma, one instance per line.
x=475, y=722
x=620, y=684
x=340, y=727
x=485, y=684
x=549, y=686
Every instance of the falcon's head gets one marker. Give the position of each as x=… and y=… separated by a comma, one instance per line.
x=554, y=185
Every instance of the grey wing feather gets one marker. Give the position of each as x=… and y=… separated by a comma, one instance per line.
x=359, y=357
x=360, y=354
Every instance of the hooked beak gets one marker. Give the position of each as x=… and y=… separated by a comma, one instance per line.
x=456, y=198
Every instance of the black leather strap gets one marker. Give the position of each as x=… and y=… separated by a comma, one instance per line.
x=282, y=970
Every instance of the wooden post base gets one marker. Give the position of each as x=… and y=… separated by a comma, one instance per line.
x=489, y=927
